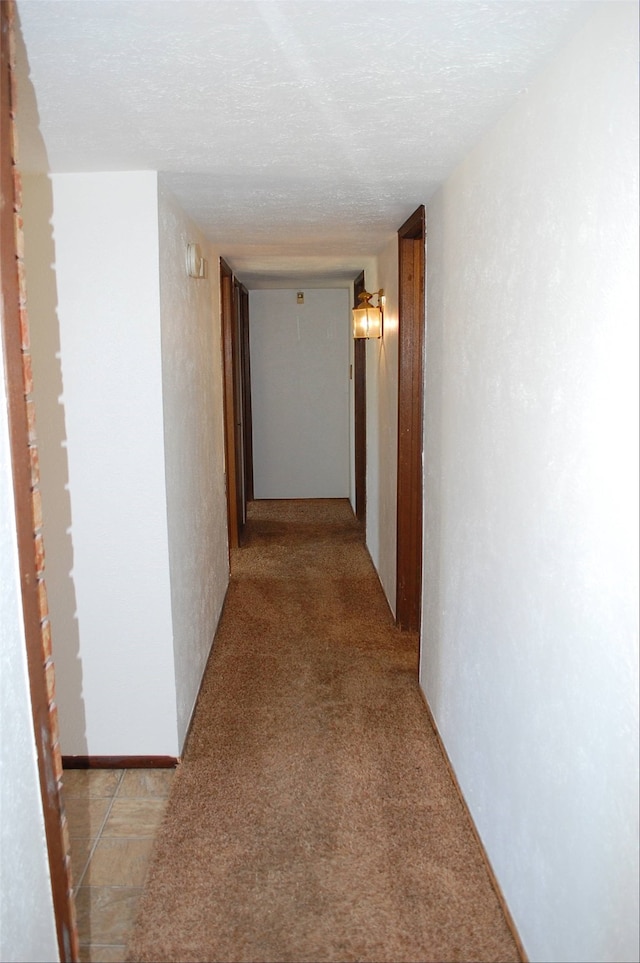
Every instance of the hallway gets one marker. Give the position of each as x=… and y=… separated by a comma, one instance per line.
x=313, y=816
x=266, y=135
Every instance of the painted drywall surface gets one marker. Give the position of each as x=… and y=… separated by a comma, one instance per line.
x=300, y=392
x=95, y=328
x=382, y=425
x=40, y=260
x=530, y=646
x=193, y=450
x=315, y=176
x=27, y=923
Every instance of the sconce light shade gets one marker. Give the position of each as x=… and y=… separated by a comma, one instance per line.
x=367, y=319
x=196, y=264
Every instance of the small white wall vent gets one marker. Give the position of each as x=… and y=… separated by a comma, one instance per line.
x=196, y=264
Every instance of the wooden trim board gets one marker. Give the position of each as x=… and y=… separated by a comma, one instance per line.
x=120, y=762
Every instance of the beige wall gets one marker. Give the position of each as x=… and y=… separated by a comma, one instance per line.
x=95, y=328
x=27, y=925
x=128, y=391
x=530, y=645
x=382, y=423
x=300, y=392
x=193, y=451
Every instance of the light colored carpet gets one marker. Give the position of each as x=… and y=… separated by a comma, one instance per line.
x=313, y=817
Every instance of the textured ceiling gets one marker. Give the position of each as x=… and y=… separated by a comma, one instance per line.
x=299, y=135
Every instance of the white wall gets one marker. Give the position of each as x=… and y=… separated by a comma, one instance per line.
x=193, y=451
x=382, y=424
x=27, y=923
x=95, y=329
x=530, y=647
x=300, y=393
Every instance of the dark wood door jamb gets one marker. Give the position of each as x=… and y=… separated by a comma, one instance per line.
x=360, y=411
x=411, y=253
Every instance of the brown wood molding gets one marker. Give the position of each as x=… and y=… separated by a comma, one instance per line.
x=120, y=762
x=360, y=411
x=15, y=335
x=246, y=391
x=237, y=345
x=411, y=272
x=414, y=226
x=227, y=319
x=492, y=876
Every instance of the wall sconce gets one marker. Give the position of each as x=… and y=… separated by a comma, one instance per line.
x=368, y=318
x=196, y=264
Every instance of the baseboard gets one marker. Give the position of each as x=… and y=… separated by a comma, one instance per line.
x=492, y=876
x=120, y=762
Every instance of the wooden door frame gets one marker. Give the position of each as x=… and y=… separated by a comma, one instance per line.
x=247, y=418
x=236, y=365
x=239, y=407
x=360, y=412
x=15, y=341
x=411, y=338
x=227, y=319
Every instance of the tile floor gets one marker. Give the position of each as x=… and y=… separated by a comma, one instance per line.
x=113, y=815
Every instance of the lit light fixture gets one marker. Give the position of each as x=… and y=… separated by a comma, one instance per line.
x=367, y=318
